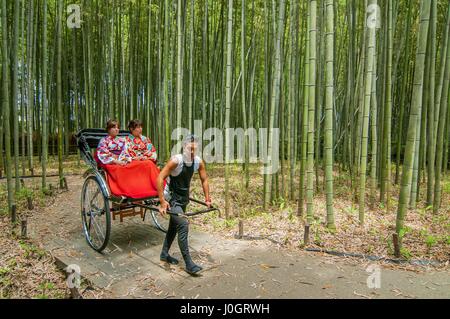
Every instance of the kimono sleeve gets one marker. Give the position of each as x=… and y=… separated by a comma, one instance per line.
x=125, y=155
x=150, y=150
x=103, y=153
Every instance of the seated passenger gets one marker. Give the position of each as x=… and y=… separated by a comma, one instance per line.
x=139, y=147
x=112, y=149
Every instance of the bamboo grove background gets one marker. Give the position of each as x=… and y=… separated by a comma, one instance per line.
x=372, y=102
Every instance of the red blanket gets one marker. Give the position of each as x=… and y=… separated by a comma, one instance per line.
x=135, y=180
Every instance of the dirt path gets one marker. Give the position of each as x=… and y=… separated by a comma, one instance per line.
x=130, y=266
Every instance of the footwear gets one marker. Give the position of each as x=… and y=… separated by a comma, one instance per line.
x=193, y=270
x=169, y=259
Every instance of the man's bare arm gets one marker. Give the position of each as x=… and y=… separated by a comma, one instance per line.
x=165, y=172
x=204, y=180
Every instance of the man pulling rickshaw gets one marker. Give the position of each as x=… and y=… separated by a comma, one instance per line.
x=179, y=171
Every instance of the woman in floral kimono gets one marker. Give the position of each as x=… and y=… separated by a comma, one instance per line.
x=139, y=147
x=142, y=172
x=113, y=149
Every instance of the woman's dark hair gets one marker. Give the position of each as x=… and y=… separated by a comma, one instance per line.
x=110, y=124
x=133, y=124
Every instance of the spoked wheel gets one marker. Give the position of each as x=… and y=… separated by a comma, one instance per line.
x=95, y=214
x=162, y=223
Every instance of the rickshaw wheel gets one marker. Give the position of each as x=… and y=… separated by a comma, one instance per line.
x=161, y=223
x=95, y=214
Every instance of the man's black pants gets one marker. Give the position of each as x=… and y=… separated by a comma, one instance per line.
x=180, y=225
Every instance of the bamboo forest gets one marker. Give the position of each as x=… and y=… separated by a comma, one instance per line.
x=322, y=130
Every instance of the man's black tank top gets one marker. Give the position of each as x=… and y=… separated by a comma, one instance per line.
x=179, y=186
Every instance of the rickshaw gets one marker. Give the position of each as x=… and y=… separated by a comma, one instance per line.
x=99, y=205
